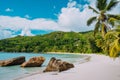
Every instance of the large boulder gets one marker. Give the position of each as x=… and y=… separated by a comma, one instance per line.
x=57, y=65
x=13, y=61
x=34, y=62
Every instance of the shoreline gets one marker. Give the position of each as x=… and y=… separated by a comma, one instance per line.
x=51, y=53
x=86, y=58
x=100, y=67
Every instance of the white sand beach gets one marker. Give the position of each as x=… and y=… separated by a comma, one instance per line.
x=99, y=67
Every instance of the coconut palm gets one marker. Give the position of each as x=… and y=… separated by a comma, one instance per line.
x=113, y=39
x=102, y=19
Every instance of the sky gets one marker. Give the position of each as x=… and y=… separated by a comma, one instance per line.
x=34, y=17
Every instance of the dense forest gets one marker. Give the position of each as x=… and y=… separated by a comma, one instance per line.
x=82, y=42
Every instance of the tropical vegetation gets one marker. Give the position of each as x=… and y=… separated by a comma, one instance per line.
x=103, y=19
x=113, y=39
x=106, y=41
x=110, y=40
x=54, y=42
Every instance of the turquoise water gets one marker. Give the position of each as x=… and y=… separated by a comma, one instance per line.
x=13, y=72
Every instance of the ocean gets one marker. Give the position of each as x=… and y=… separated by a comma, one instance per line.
x=14, y=72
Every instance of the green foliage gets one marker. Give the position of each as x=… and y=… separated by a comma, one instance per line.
x=101, y=43
x=54, y=42
x=90, y=21
x=113, y=39
x=110, y=44
x=101, y=4
x=113, y=18
x=93, y=9
x=103, y=19
x=112, y=4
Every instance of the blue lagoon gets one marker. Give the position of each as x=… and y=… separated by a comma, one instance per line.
x=14, y=72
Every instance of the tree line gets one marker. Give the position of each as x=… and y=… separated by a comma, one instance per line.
x=83, y=42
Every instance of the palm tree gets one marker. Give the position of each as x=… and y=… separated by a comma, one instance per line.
x=103, y=18
x=113, y=39
x=110, y=44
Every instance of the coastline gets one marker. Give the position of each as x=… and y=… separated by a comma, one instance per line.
x=100, y=67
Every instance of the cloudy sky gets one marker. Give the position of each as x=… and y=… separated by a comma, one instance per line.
x=33, y=17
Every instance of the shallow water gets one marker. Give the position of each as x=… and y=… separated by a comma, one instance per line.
x=13, y=72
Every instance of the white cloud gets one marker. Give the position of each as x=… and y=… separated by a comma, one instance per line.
x=43, y=24
x=73, y=19
x=26, y=32
x=9, y=10
x=13, y=23
x=69, y=19
x=71, y=4
x=5, y=33
x=18, y=23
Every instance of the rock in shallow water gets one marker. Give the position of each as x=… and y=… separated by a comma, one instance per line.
x=13, y=61
x=34, y=62
x=58, y=65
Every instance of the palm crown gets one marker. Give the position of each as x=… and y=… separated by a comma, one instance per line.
x=103, y=19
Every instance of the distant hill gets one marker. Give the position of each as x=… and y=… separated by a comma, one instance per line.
x=82, y=42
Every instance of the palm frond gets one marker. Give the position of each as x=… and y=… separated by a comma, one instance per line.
x=109, y=35
x=99, y=42
x=92, y=19
x=114, y=33
x=114, y=48
x=113, y=52
x=112, y=4
x=97, y=26
x=101, y=4
x=116, y=30
x=93, y=9
x=117, y=24
x=117, y=44
x=114, y=42
x=117, y=17
x=112, y=21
